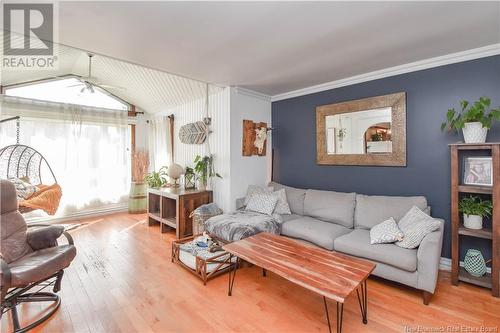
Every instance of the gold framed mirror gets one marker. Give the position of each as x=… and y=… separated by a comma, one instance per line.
x=368, y=131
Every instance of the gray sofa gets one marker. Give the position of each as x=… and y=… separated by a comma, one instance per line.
x=342, y=221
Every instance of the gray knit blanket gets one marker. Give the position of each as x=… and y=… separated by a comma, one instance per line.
x=242, y=224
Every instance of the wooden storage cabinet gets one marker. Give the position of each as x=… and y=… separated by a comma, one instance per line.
x=171, y=208
x=490, y=234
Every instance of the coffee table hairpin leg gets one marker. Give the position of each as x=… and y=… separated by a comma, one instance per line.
x=340, y=313
x=363, y=301
x=232, y=273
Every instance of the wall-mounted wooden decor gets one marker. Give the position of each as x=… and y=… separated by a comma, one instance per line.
x=193, y=133
x=254, y=138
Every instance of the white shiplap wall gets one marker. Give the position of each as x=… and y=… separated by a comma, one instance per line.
x=218, y=141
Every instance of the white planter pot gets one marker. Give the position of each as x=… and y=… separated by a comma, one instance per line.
x=473, y=222
x=474, y=133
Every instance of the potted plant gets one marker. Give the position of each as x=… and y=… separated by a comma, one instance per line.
x=474, y=120
x=474, y=210
x=137, y=197
x=157, y=179
x=204, y=168
x=376, y=137
x=189, y=179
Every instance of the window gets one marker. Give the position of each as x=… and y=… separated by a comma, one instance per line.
x=87, y=145
x=70, y=91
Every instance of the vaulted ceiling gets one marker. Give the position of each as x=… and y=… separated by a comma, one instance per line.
x=151, y=90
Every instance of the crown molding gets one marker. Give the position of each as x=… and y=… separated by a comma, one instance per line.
x=252, y=93
x=481, y=52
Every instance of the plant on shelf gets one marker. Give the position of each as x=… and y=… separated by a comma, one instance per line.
x=157, y=179
x=376, y=137
x=474, y=120
x=204, y=168
x=474, y=210
x=342, y=133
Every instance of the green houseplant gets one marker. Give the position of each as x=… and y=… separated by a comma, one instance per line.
x=474, y=210
x=204, y=168
x=376, y=137
x=473, y=119
x=157, y=179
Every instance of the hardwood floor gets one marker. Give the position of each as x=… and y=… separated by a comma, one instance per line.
x=122, y=280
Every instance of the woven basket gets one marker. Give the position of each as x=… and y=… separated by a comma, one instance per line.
x=199, y=220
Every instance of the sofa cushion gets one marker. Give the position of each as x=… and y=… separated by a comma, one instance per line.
x=255, y=189
x=263, y=203
x=357, y=243
x=415, y=226
x=329, y=206
x=315, y=231
x=294, y=196
x=386, y=232
x=371, y=210
x=289, y=217
x=282, y=206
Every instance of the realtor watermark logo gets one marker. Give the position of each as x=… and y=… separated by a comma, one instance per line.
x=29, y=33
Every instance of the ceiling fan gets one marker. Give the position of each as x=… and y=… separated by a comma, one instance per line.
x=89, y=82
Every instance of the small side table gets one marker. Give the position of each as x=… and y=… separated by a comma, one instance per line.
x=204, y=268
x=172, y=206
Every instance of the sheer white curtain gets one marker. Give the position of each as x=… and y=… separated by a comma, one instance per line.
x=159, y=142
x=87, y=148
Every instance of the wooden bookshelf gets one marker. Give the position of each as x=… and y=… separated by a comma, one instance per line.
x=492, y=235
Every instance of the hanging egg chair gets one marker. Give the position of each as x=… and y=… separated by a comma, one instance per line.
x=28, y=164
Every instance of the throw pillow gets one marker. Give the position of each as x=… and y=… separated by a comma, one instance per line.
x=24, y=190
x=415, y=225
x=386, y=232
x=282, y=206
x=263, y=203
x=255, y=189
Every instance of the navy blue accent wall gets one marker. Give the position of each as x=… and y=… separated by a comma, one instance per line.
x=429, y=94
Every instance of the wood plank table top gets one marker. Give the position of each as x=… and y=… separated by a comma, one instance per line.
x=330, y=274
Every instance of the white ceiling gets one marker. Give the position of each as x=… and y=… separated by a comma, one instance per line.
x=275, y=47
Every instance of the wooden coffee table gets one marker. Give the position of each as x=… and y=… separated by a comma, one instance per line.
x=332, y=275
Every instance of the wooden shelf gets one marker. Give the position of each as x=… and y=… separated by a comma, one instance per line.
x=483, y=281
x=474, y=146
x=171, y=207
x=483, y=233
x=458, y=231
x=171, y=222
x=475, y=189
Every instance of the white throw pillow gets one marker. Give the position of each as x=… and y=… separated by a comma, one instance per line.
x=24, y=190
x=415, y=225
x=386, y=232
x=282, y=206
x=263, y=203
x=255, y=189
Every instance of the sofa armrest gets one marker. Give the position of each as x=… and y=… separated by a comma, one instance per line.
x=240, y=203
x=42, y=237
x=428, y=257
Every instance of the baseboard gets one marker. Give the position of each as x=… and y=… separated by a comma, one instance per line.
x=120, y=208
x=445, y=265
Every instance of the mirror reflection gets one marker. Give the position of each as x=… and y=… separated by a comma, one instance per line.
x=360, y=132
